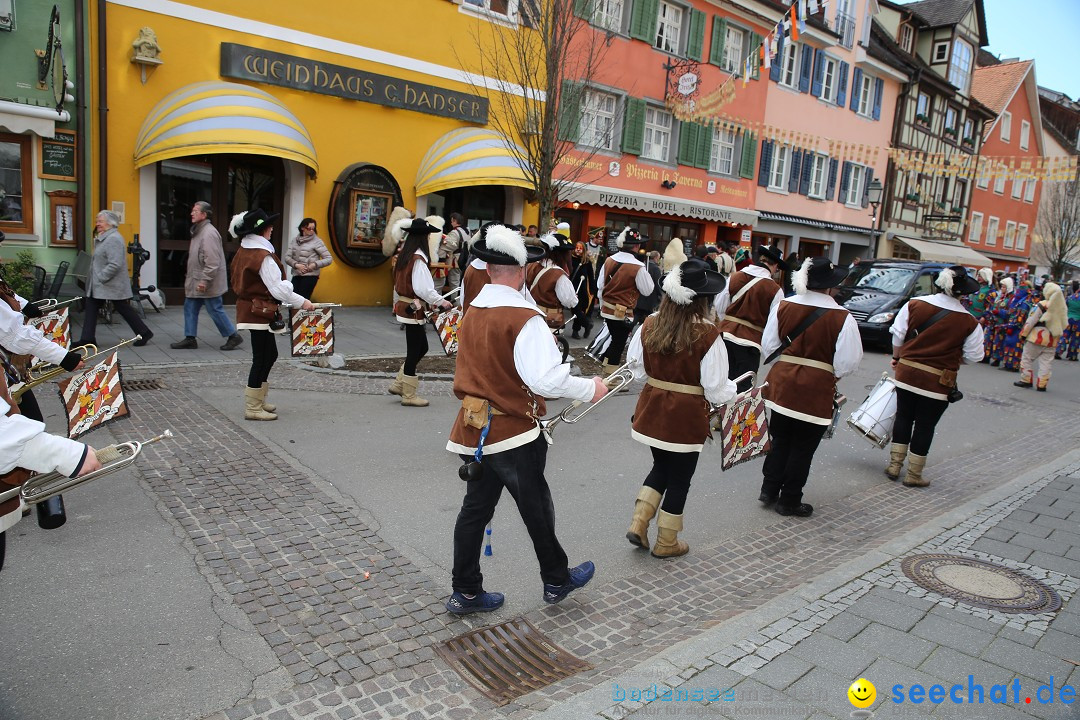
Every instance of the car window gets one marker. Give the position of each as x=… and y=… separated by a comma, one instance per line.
x=924, y=285
x=892, y=280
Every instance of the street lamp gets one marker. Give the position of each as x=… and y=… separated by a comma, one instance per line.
x=873, y=196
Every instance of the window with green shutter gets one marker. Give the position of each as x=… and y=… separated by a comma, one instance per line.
x=755, y=52
x=716, y=48
x=643, y=20
x=633, y=134
x=688, y=140
x=749, y=155
x=704, y=147
x=695, y=45
x=570, y=111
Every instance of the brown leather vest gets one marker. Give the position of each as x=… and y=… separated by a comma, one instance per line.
x=804, y=389
x=620, y=287
x=544, y=292
x=247, y=284
x=472, y=282
x=403, y=287
x=753, y=307
x=941, y=346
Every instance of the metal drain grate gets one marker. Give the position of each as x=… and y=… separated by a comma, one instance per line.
x=147, y=384
x=509, y=660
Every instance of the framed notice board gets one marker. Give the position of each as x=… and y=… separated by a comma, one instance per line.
x=57, y=156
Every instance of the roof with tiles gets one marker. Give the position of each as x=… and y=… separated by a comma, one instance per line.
x=937, y=13
x=995, y=85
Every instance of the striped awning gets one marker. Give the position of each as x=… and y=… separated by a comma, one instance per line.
x=221, y=117
x=471, y=156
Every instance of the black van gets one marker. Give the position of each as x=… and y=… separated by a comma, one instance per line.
x=875, y=290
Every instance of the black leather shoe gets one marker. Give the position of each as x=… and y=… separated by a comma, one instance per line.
x=188, y=343
x=233, y=342
x=800, y=510
x=1020, y=383
x=143, y=339
x=766, y=499
x=1040, y=389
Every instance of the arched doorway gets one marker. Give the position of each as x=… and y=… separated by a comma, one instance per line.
x=231, y=184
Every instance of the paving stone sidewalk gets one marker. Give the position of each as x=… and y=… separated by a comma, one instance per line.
x=292, y=554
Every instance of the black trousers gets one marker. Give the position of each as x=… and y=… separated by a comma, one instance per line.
x=787, y=466
x=670, y=476
x=264, y=354
x=123, y=307
x=304, y=285
x=416, y=347
x=521, y=472
x=742, y=359
x=620, y=331
x=916, y=418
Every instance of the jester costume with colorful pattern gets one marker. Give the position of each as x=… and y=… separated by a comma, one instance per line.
x=1069, y=346
x=1010, y=314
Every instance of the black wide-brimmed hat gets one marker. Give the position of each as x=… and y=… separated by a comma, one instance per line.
x=956, y=281
x=255, y=222
x=766, y=253
x=690, y=279
x=628, y=236
x=817, y=273
x=419, y=226
x=556, y=241
x=503, y=246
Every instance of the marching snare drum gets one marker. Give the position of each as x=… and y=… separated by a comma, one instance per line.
x=874, y=418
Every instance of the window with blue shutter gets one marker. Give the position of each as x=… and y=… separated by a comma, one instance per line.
x=841, y=88
x=830, y=187
x=819, y=73
x=778, y=63
x=806, y=67
x=868, y=175
x=879, y=90
x=845, y=179
x=856, y=88
x=793, y=174
x=719, y=37
x=766, y=163
x=807, y=170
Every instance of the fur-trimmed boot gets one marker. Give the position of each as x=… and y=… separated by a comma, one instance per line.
x=897, y=453
x=409, y=383
x=668, y=543
x=644, y=511
x=396, y=386
x=253, y=409
x=265, y=388
x=915, y=466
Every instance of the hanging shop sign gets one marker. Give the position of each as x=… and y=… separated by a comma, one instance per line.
x=363, y=196
x=291, y=71
x=654, y=204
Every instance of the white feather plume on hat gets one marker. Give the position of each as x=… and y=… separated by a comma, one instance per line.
x=435, y=238
x=674, y=255
x=801, y=277
x=236, y=222
x=986, y=275
x=673, y=287
x=945, y=279
x=500, y=238
x=622, y=236
x=549, y=241
x=392, y=237
x=474, y=238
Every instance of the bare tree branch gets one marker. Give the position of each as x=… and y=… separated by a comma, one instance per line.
x=1059, y=226
x=558, y=55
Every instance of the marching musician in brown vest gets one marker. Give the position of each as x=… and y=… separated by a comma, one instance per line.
x=932, y=336
x=679, y=353
x=744, y=307
x=258, y=279
x=623, y=279
x=475, y=276
x=25, y=447
x=415, y=291
x=507, y=364
x=18, y=338
x=549, y=280
x=821, y=345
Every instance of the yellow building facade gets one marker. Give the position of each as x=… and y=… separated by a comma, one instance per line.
x=327, y=110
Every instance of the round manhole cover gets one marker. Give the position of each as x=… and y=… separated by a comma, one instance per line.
x=981, y=584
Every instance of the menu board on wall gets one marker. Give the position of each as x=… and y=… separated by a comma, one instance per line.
x=57, y=156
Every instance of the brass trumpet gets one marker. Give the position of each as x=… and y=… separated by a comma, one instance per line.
x=47, y=304
x=615, y=382
x=40, y=488
x=40, y=373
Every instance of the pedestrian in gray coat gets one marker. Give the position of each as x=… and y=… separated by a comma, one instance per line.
x=108, y=280
x=307, y=255
x=206, y=281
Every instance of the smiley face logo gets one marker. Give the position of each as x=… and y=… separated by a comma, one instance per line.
x=862, y=693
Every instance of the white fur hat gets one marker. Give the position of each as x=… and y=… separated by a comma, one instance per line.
x=986, y=275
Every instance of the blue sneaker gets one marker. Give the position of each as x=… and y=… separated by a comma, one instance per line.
x=579, y=577
x=458, y=604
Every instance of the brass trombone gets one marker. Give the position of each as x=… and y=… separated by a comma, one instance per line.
x=40, y=488
x=40, y=373
x=616, y=381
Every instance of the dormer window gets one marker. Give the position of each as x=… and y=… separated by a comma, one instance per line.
x=960, y=66
x=906, y=38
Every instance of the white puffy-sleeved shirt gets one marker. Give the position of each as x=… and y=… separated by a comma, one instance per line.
x=973, y=344
x=642, y=280
x=19, y=338
x=723, y=298
x=270, y=274
x=714, y=368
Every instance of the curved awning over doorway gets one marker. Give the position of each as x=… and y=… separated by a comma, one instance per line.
x=471, y=156
x=221, y=117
